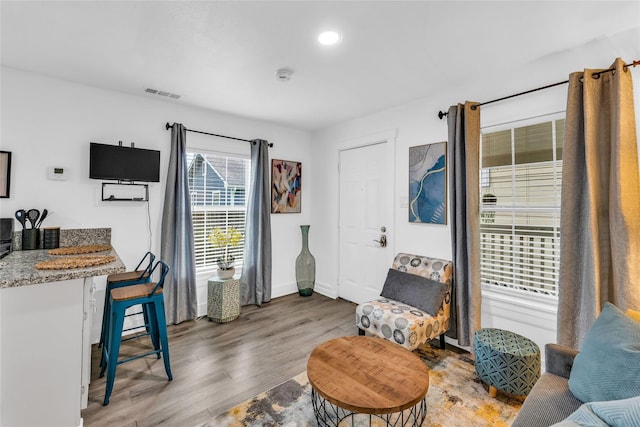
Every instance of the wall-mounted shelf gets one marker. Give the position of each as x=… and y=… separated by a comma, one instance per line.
x=125, y=192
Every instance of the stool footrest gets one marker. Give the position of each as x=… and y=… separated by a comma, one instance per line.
x=140, y=356
x=133, y=314
x=143, y=334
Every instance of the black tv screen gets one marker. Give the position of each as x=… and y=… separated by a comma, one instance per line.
x=122, y=163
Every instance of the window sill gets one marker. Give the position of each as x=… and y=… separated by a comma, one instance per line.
x=524, y=299
x=205, y=272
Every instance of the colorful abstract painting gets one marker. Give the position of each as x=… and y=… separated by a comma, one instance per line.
x=286, y=186
x=428, y=183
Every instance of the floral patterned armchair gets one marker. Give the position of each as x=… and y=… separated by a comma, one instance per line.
x=401, y=321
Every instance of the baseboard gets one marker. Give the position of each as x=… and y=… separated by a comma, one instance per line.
x=279, y=290
x=326, y=290
x=283, y=289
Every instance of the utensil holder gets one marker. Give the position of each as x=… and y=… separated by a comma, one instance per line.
x=51, y=238
x=30, y=239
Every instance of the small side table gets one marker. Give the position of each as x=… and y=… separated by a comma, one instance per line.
x=223, y=299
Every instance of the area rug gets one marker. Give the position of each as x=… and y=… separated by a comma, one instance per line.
x=456, y=397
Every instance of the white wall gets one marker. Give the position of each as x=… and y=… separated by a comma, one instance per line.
x=49, y=122
x=417, y=123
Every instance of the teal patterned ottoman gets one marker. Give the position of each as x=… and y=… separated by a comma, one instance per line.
x=506, y=361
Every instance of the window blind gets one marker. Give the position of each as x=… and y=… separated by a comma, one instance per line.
x=521, y=172
x=217, y=186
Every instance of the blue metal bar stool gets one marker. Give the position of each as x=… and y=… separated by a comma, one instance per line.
x=151, y=296
x=127, y=278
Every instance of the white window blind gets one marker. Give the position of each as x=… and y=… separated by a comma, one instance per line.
x=521, y=171
x=217, y=185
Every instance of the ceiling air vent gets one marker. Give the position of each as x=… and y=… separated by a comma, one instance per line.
x=162, y=93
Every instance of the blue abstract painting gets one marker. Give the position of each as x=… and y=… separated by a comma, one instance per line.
x=428, y=183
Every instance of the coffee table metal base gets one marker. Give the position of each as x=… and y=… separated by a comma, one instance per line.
x=329, y=415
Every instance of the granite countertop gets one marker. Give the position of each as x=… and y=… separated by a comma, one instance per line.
x=18, y=268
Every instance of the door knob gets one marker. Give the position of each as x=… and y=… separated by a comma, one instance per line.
x=383, y=241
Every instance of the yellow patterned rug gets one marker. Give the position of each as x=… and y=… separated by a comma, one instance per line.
x=456, y=397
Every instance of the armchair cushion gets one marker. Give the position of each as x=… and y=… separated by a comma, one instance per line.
x=418, y=291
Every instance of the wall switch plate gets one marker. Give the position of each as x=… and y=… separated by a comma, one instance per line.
x=57, y=173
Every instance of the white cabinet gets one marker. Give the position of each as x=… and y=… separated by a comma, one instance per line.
x=45, y=353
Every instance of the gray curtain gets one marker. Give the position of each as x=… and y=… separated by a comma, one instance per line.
x=255, y=283
x=177, y=236
x=463, y=151
x=600, y=208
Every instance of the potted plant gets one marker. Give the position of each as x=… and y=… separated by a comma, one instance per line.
x=225, y=239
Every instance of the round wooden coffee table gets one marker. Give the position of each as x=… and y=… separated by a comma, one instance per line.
x=359, y=377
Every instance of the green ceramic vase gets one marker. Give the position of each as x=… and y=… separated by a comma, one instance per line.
x=305, y=266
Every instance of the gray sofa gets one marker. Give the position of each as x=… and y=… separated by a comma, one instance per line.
x=550, y=401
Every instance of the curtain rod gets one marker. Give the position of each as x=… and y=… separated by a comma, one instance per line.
x=168, y=126
x=442, y=114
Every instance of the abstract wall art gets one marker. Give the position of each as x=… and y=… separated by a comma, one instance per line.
x=428, y=183
x=286, y=186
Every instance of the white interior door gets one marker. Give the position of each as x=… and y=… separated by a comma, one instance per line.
x=366, y=208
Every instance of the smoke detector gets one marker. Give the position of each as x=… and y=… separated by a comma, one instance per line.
x=284, y=74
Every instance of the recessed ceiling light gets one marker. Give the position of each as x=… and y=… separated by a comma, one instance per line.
x=329, y=38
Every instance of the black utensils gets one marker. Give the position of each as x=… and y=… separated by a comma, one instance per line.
x=32, y=216
x=44, y=215
x=21, y=216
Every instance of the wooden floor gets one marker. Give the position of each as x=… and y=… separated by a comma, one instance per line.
x=217, y=366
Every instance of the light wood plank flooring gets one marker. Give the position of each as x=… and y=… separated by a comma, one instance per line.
x=217, y=366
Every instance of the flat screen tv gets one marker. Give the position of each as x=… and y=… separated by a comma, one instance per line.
x=116, y=162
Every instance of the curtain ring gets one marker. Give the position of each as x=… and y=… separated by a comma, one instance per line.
x=595, y=76
x=625, y=68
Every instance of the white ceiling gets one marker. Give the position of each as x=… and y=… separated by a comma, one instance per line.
x=222, y=55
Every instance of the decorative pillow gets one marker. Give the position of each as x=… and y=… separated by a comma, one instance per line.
x=418, y=291
x=613, y=413
x=635, y=315
x=608, y=365
x=582, y=417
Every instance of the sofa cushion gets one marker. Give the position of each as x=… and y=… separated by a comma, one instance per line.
x=610, y=413
x=608, y=365
x=418, y=291
x=635, y=315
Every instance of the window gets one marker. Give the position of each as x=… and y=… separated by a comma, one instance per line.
x=520, y=178
x=217, y=185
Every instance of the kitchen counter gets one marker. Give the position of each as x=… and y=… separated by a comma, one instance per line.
x=45, y=349
x=18, y=268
